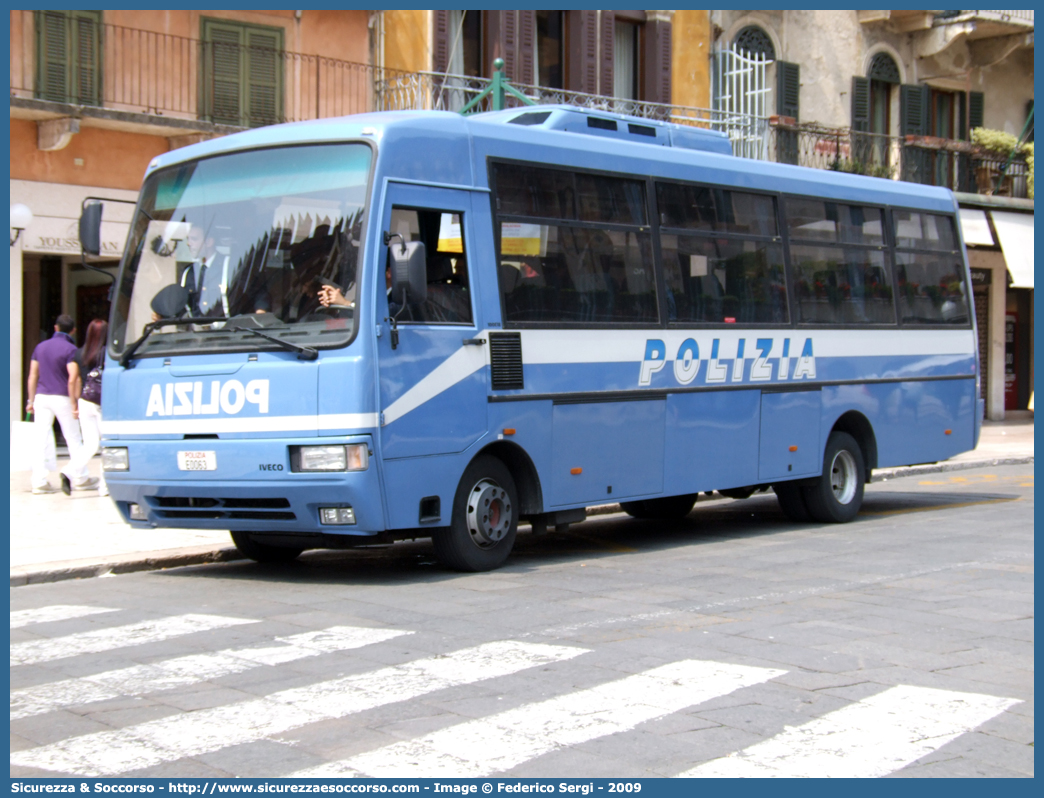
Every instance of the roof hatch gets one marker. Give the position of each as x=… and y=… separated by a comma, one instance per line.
x=568, y=119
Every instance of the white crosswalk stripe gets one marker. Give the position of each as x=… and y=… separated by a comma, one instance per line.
x=502, y=741
x=169, y=739
x=192, y=669
x=57, y=612
x=873, y=737
x=33, y=652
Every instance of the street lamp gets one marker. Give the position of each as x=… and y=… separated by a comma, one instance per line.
x=21, y=218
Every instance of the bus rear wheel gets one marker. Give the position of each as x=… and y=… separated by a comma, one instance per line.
x=669, y=507
x=263, y=552
x=484, y=521
x=838, y=494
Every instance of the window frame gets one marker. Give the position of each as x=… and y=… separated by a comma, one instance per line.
x=207, y=70
x=778, y=239
x=957, y=253
x=887, y=247
x=648, y=229
x=470, y=323
x=655, y=229
x=72, y=67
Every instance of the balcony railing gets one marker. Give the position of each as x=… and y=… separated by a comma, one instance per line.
x=444, y=92
x=182, y=78
x=1018, y=17
x=174, y=77
x=957, y=165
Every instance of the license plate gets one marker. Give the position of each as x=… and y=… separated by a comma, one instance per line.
x=197, y=461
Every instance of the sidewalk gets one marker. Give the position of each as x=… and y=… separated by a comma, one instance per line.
x=56, y=537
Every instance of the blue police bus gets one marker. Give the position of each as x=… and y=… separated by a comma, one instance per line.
x=418, y=324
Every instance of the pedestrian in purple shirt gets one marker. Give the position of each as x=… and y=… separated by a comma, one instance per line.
x=49, y=377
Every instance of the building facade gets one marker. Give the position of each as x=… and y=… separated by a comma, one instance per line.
x=651, y=57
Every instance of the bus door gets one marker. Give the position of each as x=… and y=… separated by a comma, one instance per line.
x=433, y=381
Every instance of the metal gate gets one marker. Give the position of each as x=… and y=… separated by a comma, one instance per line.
x=741, y=100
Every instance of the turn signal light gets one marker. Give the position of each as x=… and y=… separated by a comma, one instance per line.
x=576, y=470
x=793, y=448
x=949, y=431
x=509, y=430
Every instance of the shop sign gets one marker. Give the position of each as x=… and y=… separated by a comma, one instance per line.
x=981, y=277
x=62, y=236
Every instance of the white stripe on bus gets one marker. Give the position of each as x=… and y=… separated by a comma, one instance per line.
x=57, y=612
x=575, y=347
x=33, y=652
x=207, y=426
x=147, y=744
x=873, y=737
x=189, y=670
x=500, y=742
x=628, y=346
x=458, y=366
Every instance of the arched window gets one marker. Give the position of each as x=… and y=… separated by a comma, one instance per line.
x=884, y=69
x=754, y=40
x=883, y=75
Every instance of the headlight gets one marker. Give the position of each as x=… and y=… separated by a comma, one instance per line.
x=115, y=459
x=353, y=457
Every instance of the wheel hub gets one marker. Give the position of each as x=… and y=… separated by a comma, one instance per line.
x=843, y=476
x=489, y=513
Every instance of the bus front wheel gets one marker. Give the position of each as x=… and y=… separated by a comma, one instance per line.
x=263, y=552
x=838, y=494
x=484, y=521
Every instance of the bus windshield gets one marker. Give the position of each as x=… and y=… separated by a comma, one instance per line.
x=245, y=241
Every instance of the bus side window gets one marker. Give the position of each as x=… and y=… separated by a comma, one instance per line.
x=449, y=295
x=723, y=263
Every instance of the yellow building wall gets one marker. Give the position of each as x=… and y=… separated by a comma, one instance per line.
x=407, y=40
x=690, y=58
x=109, y=158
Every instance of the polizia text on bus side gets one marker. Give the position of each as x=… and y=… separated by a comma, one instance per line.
x=420, y=324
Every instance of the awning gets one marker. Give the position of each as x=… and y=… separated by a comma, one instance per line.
x=1015, y=231
x=975, y=228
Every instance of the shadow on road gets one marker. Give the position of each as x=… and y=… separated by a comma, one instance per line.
x=600, y=536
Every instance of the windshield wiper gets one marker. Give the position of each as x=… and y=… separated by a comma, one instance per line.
x=128, y=354
x=303, y=352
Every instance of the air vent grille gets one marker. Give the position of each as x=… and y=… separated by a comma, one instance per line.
x=505, y=356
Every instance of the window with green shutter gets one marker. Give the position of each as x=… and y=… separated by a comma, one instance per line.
x=975, y=109
x=242, y=75
x=68, y=60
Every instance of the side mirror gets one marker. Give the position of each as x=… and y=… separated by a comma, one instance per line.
x=90, y=228
x=409, y=270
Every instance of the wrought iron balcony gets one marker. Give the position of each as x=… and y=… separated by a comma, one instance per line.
x=166, y=77
x=957, y=165
x=157, y=77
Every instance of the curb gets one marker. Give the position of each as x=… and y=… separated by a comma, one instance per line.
x=201, y=555
x=937, y=468
x=126, y=564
